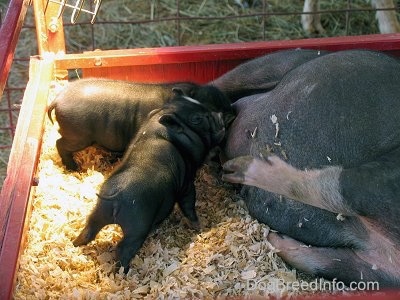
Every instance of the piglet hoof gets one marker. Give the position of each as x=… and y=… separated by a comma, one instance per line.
x=71, y=166
x=237, y=168
x=79, y=242
x=191, y=224
x=118, y=266
x=84, y=238
x=68, y=160
x=195, y=226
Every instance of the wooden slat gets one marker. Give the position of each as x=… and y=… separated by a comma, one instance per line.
x=9, y=33
x=14, y=204
x=199, y=72
x=206, y=53
x=49, y=30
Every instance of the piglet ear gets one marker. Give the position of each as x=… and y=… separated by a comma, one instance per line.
x=182, y=137
x=178, y=91
x=228, y=119
x=153, y=112
x=171, y=122
x=184, y=90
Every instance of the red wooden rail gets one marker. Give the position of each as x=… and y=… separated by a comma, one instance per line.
x=9, y=33
x=204, y=63
x=217, y=52
x=15, y=195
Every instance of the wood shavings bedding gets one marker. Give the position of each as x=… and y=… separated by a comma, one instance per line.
x=229, y=257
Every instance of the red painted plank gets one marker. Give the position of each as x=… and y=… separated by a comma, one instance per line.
x=202, y=64
x=54, y=40
x=206, y=53
x=199, y=72
x=14, y=204
x=9, y=33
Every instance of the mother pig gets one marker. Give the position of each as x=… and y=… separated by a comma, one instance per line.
x=320, y=155
x=109, y=112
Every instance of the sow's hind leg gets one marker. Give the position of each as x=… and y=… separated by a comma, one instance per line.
x=309, y=224
x=367, y=193
x=342, y=264
x=371, y=189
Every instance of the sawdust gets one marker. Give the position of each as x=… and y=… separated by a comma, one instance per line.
x=229, y=257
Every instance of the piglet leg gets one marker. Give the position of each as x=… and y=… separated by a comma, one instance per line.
x=136, y=220
x=101, y=216
x=66, y=148
x=187, y=206
x=88, y=233
x=66, y=155
x=127, y=249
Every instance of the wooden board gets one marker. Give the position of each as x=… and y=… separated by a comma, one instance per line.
x=204, y=63
x=14, y=208
x=9, y=34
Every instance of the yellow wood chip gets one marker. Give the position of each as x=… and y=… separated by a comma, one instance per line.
x=174, y=261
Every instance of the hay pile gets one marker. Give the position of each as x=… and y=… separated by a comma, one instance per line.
x=228, y=257
x=132, y=24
